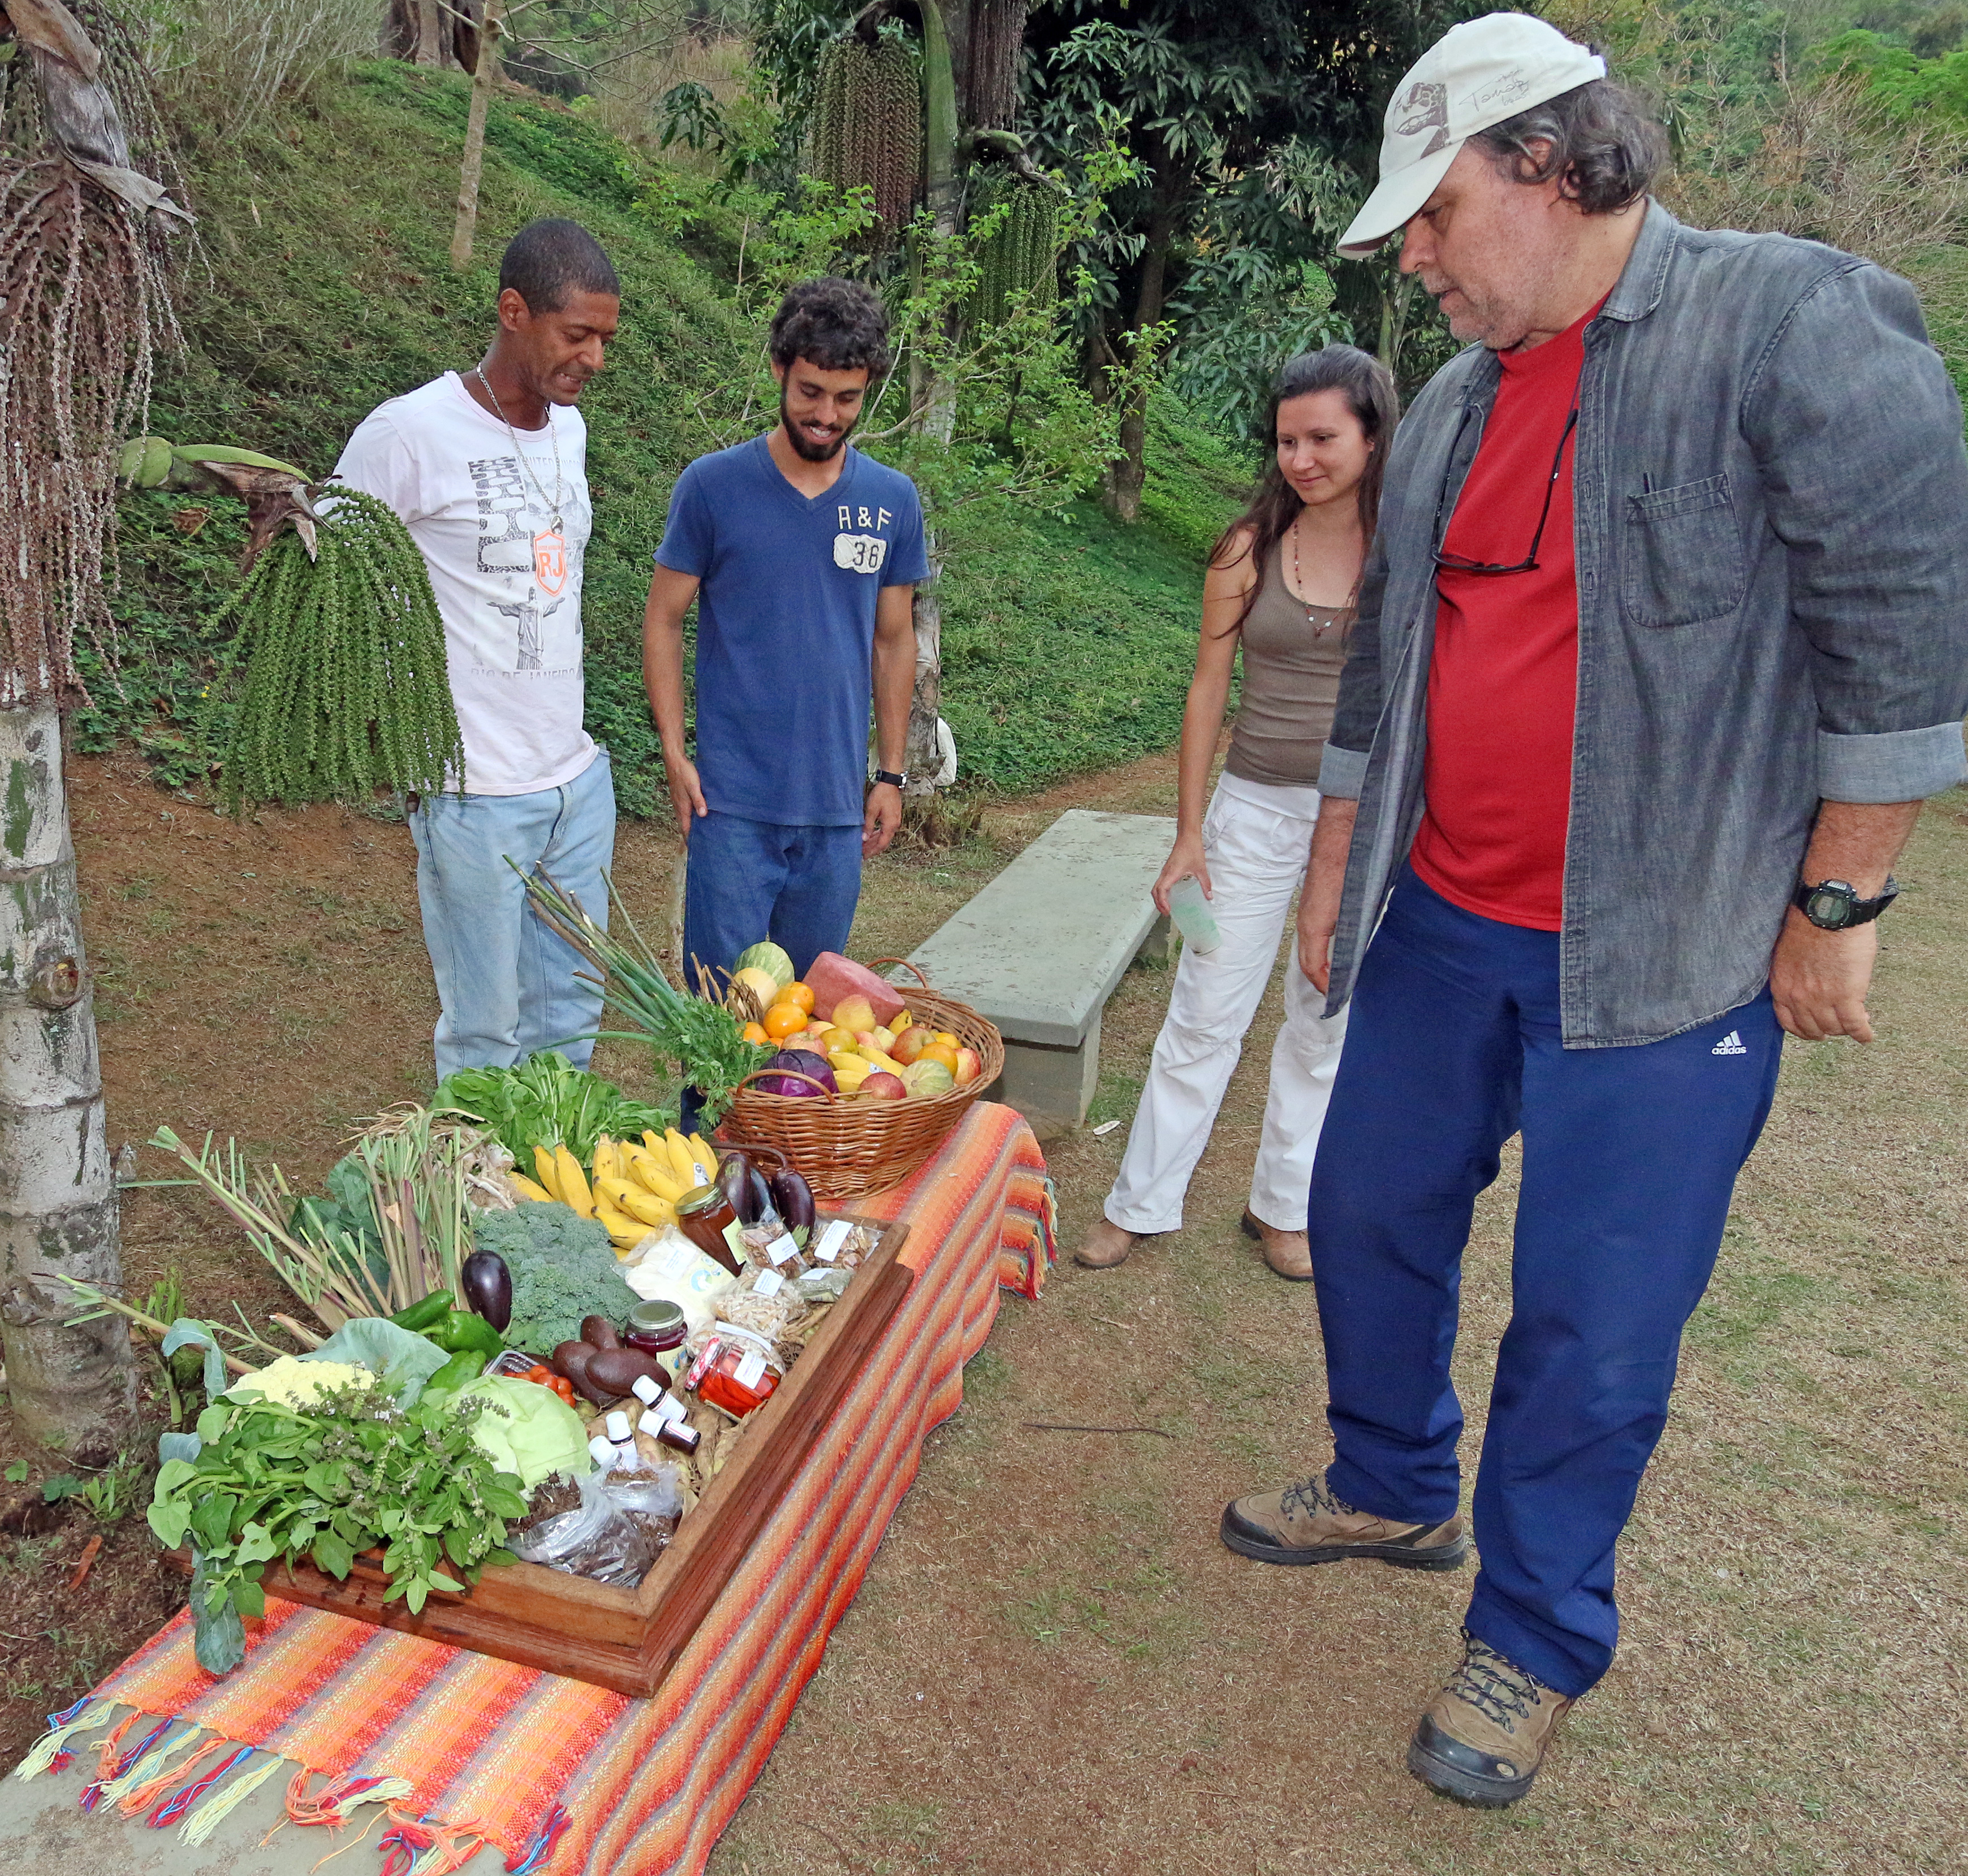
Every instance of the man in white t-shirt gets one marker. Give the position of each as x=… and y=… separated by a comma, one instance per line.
x=488, y=470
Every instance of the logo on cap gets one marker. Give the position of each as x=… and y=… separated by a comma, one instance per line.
x=1424, y=106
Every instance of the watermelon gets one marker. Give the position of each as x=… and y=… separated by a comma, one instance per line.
x=768, y=958
x=833, y=977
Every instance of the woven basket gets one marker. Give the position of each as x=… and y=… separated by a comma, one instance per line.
x=848, y=1148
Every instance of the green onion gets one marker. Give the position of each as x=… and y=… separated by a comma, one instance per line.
x=703, y=1038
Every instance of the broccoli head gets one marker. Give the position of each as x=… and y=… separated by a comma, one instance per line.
x=564, y=1267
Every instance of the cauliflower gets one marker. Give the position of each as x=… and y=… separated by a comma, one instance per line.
x=296, y=1383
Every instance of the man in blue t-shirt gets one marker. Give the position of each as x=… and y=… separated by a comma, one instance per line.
x=803, y=554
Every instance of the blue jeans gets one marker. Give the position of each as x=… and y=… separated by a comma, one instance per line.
x=1629, y=1158
x=505, y=983
x=749, y=880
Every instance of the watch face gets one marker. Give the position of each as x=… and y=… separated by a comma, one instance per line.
x=1829, y=906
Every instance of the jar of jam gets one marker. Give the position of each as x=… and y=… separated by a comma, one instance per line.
x=657, y=1329
x=703, y=1216
x=736, y=1370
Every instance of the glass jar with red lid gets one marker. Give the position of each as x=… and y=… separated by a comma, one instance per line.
x=736, y=1370
x=657, y=1329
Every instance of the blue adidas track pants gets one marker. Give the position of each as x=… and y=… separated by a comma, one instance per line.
x=1631, y=1155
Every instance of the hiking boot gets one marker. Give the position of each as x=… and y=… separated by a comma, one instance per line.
x=1305, y=1524
x=1287, y=1253
x=1484, y=1735
x=1105, y=1246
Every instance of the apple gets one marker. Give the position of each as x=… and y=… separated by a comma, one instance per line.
x=884, y=1086
x=969, y=1062
x=910, y=1044
x=884, y=1039
x=854, y=1013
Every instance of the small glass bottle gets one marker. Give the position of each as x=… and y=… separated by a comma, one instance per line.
x=736, y=1370
x=703, y=1216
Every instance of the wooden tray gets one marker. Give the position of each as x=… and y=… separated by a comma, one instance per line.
x=628, y=1639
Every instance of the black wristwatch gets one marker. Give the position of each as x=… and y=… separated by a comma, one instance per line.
x=891, y=778
x=1833, y=905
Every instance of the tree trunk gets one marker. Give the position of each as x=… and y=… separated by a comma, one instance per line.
x=429, y=49
x=1127, y=476
x=73, y=1388
x=935, y=398
x=988, y=89
x=482, y=82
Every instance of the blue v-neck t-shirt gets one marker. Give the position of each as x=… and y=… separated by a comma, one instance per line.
x=785, y=625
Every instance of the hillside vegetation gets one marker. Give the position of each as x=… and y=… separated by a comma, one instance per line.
x=323, y=288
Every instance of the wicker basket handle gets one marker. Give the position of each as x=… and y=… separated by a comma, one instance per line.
x=754, y=1149
x=908, y=967
x=797, y=1075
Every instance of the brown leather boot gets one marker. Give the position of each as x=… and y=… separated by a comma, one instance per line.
x=1287, y=1253
x=1485, y=1733
x=1305, y=1524
x=1105, y=1246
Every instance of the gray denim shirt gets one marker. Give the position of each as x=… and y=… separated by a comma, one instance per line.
x=1771, y=500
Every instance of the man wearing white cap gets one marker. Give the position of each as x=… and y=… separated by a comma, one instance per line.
x=1663, y=639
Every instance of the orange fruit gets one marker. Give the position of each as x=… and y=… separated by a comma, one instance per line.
x=943, y=1035
x=754, y=1032
x=940, y=1051
x=797, y=993
x=783, y=1019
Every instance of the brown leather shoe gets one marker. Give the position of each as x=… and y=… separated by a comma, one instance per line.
x=1485, y=1733
x=1305, y=1524
x=1287, y=1253
x=1105, y=1246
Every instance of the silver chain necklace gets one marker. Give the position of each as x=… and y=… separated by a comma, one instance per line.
x=553, y=437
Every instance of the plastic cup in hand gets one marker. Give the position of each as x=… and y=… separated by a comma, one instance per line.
x=1190, y=910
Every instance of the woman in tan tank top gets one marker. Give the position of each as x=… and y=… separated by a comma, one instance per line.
x=1279, y=590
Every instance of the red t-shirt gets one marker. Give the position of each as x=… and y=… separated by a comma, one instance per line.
x=1502, y=682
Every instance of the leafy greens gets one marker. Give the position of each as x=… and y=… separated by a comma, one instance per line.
x=547, y=1101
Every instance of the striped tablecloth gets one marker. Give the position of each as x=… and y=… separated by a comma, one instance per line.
x=559, y=1775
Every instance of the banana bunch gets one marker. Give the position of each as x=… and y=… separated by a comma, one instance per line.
x=633, y=1186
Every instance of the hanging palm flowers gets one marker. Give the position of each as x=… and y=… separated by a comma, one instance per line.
x=335, y=676
x=867, y=128
x=1021, y=254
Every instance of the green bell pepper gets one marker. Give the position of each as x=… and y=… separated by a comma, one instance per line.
x=421, y=1316
x=462, y=1329
x=462, y=1370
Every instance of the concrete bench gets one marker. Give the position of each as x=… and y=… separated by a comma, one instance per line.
x=1040, y=949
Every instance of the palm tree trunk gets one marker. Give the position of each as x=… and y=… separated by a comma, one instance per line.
x=73, y=1388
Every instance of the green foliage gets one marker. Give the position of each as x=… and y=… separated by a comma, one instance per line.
x=1907, y=86
x=563, y=1266
x=337, y=678
x=1197, y=482
x=353, y=1471
x=547, y=1101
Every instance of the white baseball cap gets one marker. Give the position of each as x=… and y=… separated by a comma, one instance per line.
x=1475, y=75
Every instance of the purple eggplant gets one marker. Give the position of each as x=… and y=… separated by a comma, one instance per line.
x=744, y=1185
x=487, y=1286
x=794, y=1198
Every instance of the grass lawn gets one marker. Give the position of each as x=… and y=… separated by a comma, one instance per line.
x=1054, y=1665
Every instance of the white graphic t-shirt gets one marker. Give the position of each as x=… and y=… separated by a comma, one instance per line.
x=507, y=583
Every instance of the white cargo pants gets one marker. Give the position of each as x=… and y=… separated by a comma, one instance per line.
x=1256, y=839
